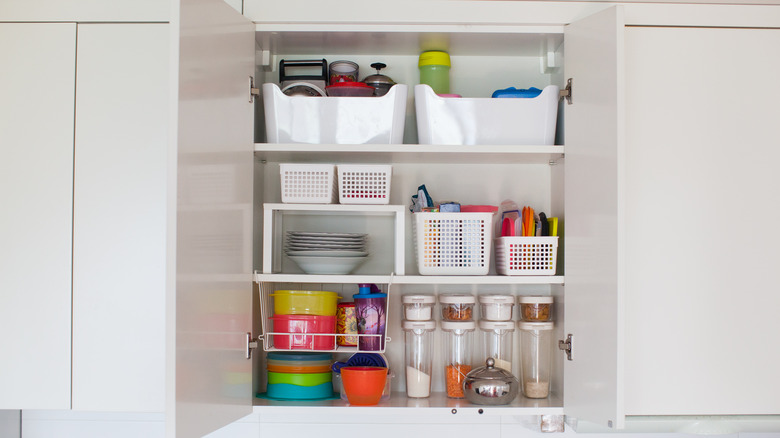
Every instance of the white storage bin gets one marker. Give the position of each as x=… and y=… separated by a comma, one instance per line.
x=308, y=183
x=492, y=121
x=339, y=120
x=453, y=243
x=364, y=183
x=526, y=255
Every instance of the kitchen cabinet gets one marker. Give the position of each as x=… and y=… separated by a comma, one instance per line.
x=36, y=121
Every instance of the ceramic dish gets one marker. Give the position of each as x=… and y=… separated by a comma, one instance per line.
x=328, y=265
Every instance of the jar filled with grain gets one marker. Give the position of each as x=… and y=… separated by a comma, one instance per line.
x=536, y=358
x=458, y=340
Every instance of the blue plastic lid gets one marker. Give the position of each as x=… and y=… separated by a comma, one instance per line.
x=514, y=92
x=367, y=296
x=299, y=356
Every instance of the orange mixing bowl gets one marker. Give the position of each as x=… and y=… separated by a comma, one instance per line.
x=364, y=385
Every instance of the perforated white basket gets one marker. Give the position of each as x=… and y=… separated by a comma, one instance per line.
x=453, y=243
x=526, y=255
x=364, y=184
x=308, y=183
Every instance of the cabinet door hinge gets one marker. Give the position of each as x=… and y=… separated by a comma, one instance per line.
x=253, y=91
x=566, y=346
x=251, y=344
x=566, y=93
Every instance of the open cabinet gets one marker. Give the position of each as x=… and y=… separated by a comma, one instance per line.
x=228, y=183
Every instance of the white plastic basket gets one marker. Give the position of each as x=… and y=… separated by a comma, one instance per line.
x=453, y=243
x=364, y=184
x=308, y=183
x=526, y=255
x=337, y=120
x=474, y=121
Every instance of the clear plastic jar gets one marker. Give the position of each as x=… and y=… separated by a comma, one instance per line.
x=418, y=307
x=496, y=307
x=434, y=68
x=535, y=308
x=457, y=307
x=458, y=339
x=419, y=357
x=497, y=342
x=536, y=358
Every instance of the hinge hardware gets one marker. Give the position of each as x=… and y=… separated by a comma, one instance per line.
x=566, y=346
x=566, y=93
x=251, y=344
x=253, y=91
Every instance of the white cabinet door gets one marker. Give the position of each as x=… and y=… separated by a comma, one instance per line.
x=36, y=174
x=211, y=301
x=701, y=181
x=119, y=220
x=593, y=379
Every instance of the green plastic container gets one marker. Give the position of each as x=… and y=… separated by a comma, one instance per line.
x=313, y=379
x=435, y=70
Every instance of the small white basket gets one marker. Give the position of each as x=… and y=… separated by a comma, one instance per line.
x=364, y=184
x=526, y=255
x=308, y=183
x=453, y=243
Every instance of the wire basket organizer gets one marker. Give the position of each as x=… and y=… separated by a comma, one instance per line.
x=308, y=183
x=453, y=243
x=526, y=255
x=364, y=184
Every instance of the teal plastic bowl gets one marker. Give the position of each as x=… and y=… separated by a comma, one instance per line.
x=286, y=391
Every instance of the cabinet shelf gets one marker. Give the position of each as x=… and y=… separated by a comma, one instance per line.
x=409, y=279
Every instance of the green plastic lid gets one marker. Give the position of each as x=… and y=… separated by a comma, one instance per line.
x=434, y=57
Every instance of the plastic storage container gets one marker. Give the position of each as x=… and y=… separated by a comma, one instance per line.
x=418, y=307
x=535, y=308
x=339, y=120
x=497, y=342
x=474, y=121
x=299, y=376
x=457, y=341
x=457, y=307
x=346, y=324
x=453, y=243
x=308, y=183
x=371, y=313
x=303, y=332
x=536, y=358
x=305, y=302
x=283, y=362
x=434, y=68
x=364, y=183
x=496, y=307
x=418, y=337
x=526, y=255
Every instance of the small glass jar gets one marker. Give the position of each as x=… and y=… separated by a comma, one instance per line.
x=536, y=358
x=535, y=308
x=457, y=307
x=419, y=357
x=496, y=307
x=418, y=307
x=457, y=354
x=497, y=342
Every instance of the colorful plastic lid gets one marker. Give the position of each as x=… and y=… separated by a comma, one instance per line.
x=535, y=299
x=299, y=356
x=349, y=84
x=434, y=57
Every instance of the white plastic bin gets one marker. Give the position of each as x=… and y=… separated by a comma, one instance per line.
x=335, y=120
x=530, y=255
x=453, y=243
x=308, y=183
x=490, y=121
x=364, y=183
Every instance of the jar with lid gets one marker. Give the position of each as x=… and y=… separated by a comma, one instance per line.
x=418, y=307
x=536, y=356
x=457, y=354
x=457, y=307
x=419, y=357
x=535, y=308
x=496, y=307
x=434, y=68
x=497, y=342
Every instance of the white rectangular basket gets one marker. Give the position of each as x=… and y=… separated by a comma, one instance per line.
x=493, y=121
x=364, y=183
x=526, y=255
x=453, y=243
x=335, y=120
x=308, y=183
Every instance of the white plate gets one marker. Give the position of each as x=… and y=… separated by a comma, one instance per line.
x=326, y=239
x=325, y=247
x=328, y=265
x=317, y=234
x=328, y=253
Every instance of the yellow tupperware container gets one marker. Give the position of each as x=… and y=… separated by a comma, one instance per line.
x=305, y=302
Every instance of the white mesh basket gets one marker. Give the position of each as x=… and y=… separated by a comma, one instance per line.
x=453, y=243
x=526, y=255
x=364, y=184
x=308, y=183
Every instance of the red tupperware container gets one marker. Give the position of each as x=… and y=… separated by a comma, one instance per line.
x=304, y=326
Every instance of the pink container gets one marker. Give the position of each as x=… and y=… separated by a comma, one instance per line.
x=304, y=327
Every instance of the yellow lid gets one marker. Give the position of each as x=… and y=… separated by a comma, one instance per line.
x=434, y=57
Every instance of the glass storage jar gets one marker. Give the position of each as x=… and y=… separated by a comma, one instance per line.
x=457, y=354
x=457, y=307
x=497, y=342
x=418, y=307
x=535, y=308
x=536, y=356
x=418, y=337
x=496, y=307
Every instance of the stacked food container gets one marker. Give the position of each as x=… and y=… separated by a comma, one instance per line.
x=536, y=345
x=299, y=376
x=418, y=326
x=457, y=324
x=304, y=320
x=497, y=329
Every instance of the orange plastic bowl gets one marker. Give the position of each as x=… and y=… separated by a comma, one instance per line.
x=364, y=385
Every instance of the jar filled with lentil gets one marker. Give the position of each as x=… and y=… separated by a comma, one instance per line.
x=457, y=307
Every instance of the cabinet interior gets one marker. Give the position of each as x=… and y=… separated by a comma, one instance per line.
x=482, y=61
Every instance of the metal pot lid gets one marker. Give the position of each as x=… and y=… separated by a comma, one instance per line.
x=490, y=372
x=378, y=79
x=303, y=89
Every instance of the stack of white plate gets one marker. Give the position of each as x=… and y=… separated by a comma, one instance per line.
x=326, y=253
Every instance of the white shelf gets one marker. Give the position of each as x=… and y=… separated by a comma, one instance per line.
x=406, y=153
x=409, y=279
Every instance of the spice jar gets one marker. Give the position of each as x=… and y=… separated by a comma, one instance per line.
x=535, y=308
x=419, y=357
x=457, y=354
x=496, y=307
x=457, y=307
x=536, y=355
x=418, y=307
x=497, y=342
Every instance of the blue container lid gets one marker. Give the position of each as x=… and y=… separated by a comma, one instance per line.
x=514, y=92
x=368, y=296
x=299, y=356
